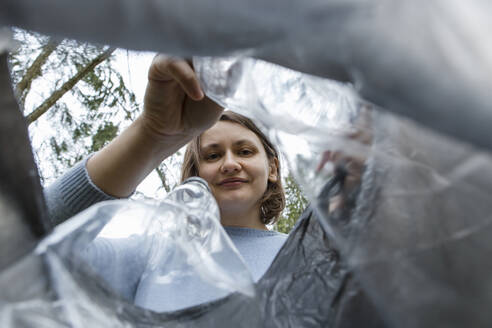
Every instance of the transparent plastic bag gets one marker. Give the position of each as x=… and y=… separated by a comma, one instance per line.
x=305, y=115
x=427, y=61
x=178, y=244
x=406, y=207
x=409, y=244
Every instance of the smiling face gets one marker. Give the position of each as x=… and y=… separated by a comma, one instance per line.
x=233, y=161
x=239, y=207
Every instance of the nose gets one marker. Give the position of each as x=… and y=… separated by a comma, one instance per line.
x=230, y=164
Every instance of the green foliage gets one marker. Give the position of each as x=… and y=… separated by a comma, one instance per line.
x=296, y=202
x=58, y=148
x=84, y=119
x=105, y=133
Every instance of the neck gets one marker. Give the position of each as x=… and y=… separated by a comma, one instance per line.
x=243, y=219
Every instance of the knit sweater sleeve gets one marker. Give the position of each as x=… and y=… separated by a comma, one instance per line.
x=71, y=193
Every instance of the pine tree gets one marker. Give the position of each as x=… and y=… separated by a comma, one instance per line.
x=72, y=96
x=296, y=202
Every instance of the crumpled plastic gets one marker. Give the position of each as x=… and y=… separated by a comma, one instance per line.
x=427, y=61
x=304, y=114
x=178, y=238
x=22, y=207
x=6, y=41
x=413, y=231
x=407, y=244
x=306, y=285
x=408, y=247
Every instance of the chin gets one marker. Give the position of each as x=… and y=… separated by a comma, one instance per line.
x=230, y=202
x=233, y=204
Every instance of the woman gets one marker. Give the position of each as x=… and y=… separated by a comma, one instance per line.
x=239, y=163
x=242, y=168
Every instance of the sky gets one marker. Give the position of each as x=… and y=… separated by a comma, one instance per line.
x=133, y=66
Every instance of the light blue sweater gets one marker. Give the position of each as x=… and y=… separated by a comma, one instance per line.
x=121, y=262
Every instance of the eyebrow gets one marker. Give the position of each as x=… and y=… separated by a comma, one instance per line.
x=237, y=143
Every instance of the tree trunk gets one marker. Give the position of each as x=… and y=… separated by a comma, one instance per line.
x=35, y=70
x=67, y=86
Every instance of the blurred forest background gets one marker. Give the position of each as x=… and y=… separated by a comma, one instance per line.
x=77, y=97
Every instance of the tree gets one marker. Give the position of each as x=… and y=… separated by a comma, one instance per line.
x=82, y=73
x=73, y=95
x=296, y=202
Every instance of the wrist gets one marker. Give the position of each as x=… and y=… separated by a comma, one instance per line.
x=118, y=168
x=156, y=136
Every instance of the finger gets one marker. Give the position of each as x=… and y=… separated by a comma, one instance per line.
x=158, y=68
x=183, y=73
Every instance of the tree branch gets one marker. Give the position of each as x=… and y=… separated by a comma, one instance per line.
x=35, y=69
x=162, y=176
x=67, y=86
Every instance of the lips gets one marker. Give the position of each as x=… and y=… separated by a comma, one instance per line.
x=232, y=181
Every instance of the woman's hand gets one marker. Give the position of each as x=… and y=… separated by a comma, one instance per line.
x=175, y=110
x=174, y=103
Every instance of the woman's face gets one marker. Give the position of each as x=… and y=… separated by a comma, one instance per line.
x=235, y=165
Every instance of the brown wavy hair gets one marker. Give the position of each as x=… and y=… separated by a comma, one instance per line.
x=273, y=200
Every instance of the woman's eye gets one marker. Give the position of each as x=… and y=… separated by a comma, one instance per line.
x=246, y=152
x=212, y=156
